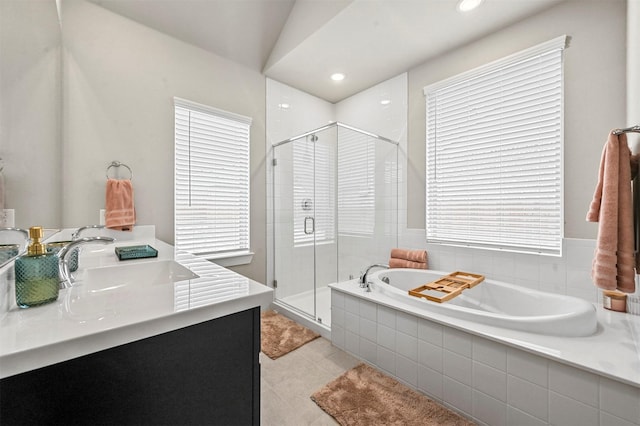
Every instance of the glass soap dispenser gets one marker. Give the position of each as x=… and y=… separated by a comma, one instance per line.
x=36, y=276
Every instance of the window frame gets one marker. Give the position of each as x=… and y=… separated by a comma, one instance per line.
x=222, y=144
x=449, y=230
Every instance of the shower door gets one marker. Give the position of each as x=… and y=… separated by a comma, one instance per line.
x=304, y=222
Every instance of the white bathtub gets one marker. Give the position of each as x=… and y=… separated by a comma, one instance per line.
x=494, y=303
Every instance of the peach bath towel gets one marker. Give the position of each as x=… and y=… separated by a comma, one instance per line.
x=635, y=199
x=613, y=262
x=401, y=258
x=402, y=263
x=120, y=210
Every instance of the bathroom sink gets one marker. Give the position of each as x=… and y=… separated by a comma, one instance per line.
x=103, y=292
x=143, y=273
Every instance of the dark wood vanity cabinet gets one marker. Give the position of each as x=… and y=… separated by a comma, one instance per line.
x=204, y=374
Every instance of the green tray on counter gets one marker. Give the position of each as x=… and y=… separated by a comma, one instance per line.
x=136, y=252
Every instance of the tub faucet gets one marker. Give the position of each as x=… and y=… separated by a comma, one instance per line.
x=66, y=281
x=363, y=277
x=77, y=232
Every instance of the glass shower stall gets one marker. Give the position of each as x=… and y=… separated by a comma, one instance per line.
x=335, y=211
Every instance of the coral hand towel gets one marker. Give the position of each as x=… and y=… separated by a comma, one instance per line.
x=120, y=211
x=613, y=262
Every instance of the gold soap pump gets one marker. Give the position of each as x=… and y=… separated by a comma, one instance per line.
x=36, y=279
x=36, y=246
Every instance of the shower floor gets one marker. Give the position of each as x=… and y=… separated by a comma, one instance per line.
x=304, y=302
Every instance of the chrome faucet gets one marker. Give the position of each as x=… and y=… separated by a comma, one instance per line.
x=26, y=241
x=363, y=278
x=77, y=232
x=66, y=280
x=20, y=230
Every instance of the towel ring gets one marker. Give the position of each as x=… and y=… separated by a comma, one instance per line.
x=118, y=164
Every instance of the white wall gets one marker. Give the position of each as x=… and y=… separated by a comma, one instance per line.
x=30, y=120
x=595, y=93
x=119, y=82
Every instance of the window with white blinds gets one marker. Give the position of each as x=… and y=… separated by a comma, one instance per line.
x=313, y=193
x=494, y=154
x=211, y=180
x=356, y=183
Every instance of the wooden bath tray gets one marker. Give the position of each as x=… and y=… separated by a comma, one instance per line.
x=447, y=287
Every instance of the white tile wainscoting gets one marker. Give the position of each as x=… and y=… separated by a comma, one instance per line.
x=492, y=383
x=569, y=274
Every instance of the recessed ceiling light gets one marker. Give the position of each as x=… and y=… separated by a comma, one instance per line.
x=467, y=5
x=337, y=76
x=283, y=106
x=385, y=102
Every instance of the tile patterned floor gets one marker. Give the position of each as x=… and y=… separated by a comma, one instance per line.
x=288, y=382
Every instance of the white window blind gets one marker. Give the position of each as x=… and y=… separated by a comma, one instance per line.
x=356, y=183
x=313, y=193
x=211, y=180
x=494, y=154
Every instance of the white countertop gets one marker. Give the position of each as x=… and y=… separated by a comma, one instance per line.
x=613, y=351
x=44, y=335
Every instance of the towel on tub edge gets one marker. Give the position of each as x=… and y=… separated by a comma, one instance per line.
x=403, y=258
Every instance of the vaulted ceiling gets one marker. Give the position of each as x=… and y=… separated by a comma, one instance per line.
x=302, y=42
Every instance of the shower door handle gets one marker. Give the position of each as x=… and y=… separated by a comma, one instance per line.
x=313, y=225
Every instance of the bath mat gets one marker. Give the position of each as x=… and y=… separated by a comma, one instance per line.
x=280, y=335
x=364, y=396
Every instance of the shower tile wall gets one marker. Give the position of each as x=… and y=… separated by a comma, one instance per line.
x=365, y=111
x=357, y=252
x=364, y=229
x=382, y=110
x=290, y=112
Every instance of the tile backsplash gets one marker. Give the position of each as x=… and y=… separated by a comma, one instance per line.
x=569, y=274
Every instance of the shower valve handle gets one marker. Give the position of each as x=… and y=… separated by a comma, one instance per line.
x=313, y=225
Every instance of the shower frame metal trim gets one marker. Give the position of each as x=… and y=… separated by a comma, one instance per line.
x=336, y=124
